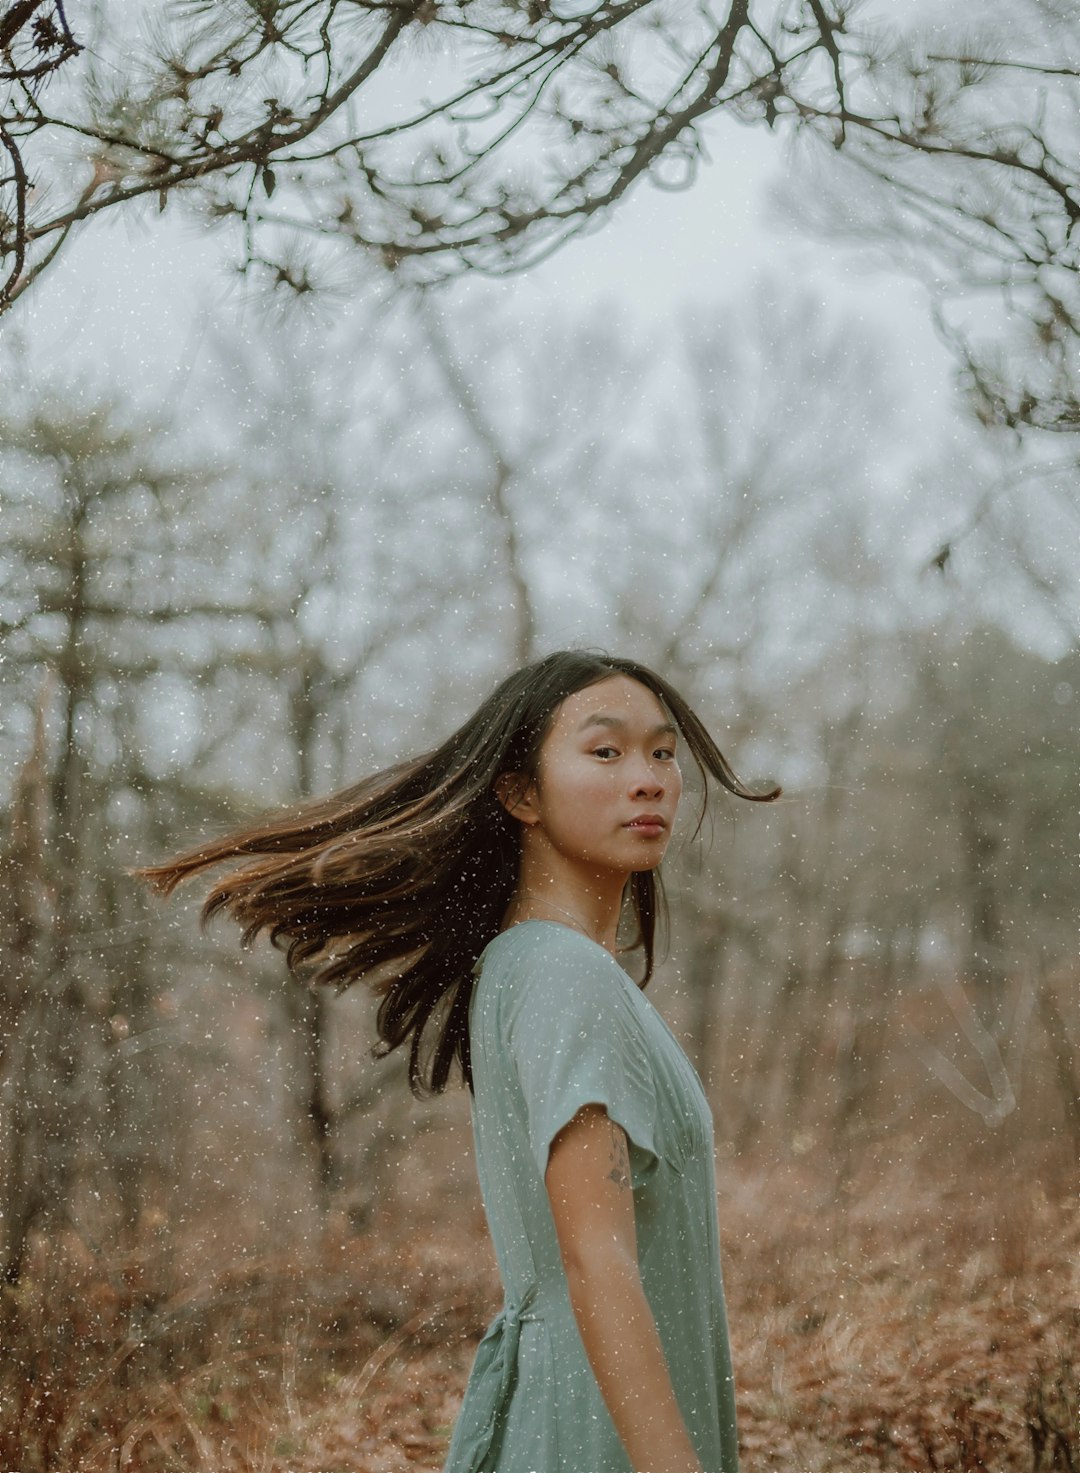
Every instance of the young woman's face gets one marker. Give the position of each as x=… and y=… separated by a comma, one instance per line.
x=608, y=781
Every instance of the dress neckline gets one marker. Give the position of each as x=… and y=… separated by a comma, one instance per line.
x=562, y=927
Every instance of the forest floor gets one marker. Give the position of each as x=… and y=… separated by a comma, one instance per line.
x=918, y=1319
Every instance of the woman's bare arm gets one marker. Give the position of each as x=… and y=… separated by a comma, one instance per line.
x=588, y=1183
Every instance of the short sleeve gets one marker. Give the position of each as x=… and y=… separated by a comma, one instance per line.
x=575, y=1039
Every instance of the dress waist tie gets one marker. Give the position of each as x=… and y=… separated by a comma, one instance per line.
x=490, y=1385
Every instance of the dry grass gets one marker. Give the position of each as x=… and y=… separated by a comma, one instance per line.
x=906, y=1321
x=903, y=1284
x=938, y=1335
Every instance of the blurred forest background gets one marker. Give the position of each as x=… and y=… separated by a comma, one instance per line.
x=229, y=1239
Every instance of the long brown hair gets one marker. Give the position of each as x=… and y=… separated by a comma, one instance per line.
x=403, y=878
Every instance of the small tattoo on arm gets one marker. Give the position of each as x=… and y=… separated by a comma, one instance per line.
x=620, y=1160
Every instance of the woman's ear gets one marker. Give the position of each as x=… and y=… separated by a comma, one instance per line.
x=516, y=792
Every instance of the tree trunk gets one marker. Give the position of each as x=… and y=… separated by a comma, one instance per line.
x=308, y=1011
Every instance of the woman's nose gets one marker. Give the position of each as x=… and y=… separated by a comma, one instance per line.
x=647, y=781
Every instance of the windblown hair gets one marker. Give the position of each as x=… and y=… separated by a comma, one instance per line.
x=403, y=878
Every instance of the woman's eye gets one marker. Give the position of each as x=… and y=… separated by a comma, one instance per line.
x=605, y=752
x=668, y=752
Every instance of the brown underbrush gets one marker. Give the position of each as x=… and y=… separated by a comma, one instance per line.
x=919, y=1313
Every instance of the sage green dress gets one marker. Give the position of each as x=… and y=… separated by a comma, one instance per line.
x=555, y=1023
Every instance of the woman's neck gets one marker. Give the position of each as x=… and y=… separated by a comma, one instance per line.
x=591, y=904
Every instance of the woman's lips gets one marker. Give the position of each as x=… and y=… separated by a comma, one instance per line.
x=650, y=825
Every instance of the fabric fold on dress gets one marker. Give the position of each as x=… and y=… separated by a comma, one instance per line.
x=490, y=1384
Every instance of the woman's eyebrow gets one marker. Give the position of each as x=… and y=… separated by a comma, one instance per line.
x=601, y=718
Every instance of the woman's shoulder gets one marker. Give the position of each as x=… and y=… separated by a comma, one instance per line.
x=546, y=955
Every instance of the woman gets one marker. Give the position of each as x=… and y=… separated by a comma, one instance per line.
x=479, y=889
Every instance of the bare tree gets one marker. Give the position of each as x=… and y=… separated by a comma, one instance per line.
x=440, y=184
x=537, y=122
x=959, y=161
x=309, y=494
x=81, y=602
x=521, y=601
